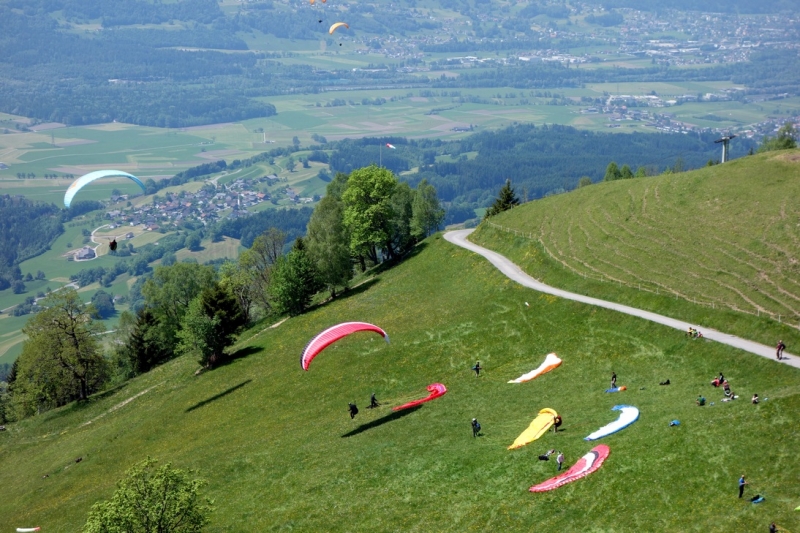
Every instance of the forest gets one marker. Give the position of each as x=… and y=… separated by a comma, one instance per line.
x=26, y=230
x=539, y=160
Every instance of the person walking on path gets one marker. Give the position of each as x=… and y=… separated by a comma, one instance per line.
x=477, y=368
x=476, y=427
x=560, y=460
x=779, y=350
x=742, y=483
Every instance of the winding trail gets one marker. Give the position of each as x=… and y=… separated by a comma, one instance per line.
x=504, y=265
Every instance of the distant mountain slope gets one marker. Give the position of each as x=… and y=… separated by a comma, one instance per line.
x=725, y=235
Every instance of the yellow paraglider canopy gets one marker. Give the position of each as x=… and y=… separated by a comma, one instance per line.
x=336, y=26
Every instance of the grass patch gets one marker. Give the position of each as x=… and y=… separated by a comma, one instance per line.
x=269, y=437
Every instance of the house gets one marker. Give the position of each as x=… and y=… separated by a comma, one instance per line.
x=85, y=253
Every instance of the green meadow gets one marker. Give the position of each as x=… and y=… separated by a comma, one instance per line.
x=280, y=451
x=716, y=246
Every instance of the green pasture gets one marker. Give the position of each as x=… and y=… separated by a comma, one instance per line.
x=228, y=248
x=715, y=246
x=280, y=452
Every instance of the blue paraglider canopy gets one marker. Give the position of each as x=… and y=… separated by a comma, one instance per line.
x=86, y=179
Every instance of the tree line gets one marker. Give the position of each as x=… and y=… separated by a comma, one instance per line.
x=366, y=218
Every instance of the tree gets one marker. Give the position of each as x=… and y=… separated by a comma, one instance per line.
x=505, y=200
x=193, y=242
x=62, y=342
x=294, y=281
x=426, y=213
x=368, y=209
x=625, y=172
x=210, y=325
x=786, y=139
x=400, y=239
x=18, y=287
x=40, y=275
x=290, y=164
x=170, y=291
x=238, y=280
x=328, y=244
x=147, y=346
x=612, y=172
x=260, y=260
x=585, y=181
x=641, y=172
x=150, y=499
x=103, y=304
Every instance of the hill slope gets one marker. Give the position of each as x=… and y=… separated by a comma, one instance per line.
x=281, y=453
x=724, y=237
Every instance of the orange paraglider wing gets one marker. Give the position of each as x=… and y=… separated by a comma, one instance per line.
x=337, y=26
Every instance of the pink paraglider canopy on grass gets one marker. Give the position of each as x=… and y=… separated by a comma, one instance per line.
x=435, y=389
x=333, y=334
x=585, y=466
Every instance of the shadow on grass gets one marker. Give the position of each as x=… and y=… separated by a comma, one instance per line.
x=216, y=397
x=381, y=421
x=241, y=353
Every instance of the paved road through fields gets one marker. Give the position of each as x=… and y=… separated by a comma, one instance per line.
x=459, y=238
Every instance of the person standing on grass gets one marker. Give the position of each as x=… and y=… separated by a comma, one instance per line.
x=773, y=528
x=742, y=483
x=613, y=380
x=477, y=368
x=353, y=410
x=476, y=427
x=779, y=350
x=556, y=423
x=560, y=460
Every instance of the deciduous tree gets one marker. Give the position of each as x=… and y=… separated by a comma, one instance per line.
x=153, y=499
x=427, y=214
x=368, y=209
x=328, y=244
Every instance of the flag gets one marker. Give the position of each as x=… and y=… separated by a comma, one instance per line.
x=393, y=147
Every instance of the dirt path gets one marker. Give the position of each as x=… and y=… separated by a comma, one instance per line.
x=459, y=238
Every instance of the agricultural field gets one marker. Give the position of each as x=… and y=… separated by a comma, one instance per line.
x=721, y=238
x=155, y=153
x=279, y=450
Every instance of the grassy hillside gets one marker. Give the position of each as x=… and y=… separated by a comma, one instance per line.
x=718, y=238
x=281, y=453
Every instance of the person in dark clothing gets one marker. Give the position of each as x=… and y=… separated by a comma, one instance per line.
x=373, y=402
x=742, y=483
x=613, y=380
x=779, y=350
x=721, y=378
x=476, y=427
x=353, y=410
x=773, y=528
x=664, y=382
x=477, y=368
x=556, y=423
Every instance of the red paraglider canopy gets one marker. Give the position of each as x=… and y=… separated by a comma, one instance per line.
x=585, y=466
x=333, y=334
x=435, y=389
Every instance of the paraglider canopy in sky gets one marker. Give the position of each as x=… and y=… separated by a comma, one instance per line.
x=336, y=26
x=86, y=179
x=333, y=334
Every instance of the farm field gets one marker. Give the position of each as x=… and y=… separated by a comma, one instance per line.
x=279, y=450
x=155, y=153
x=717, y=238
